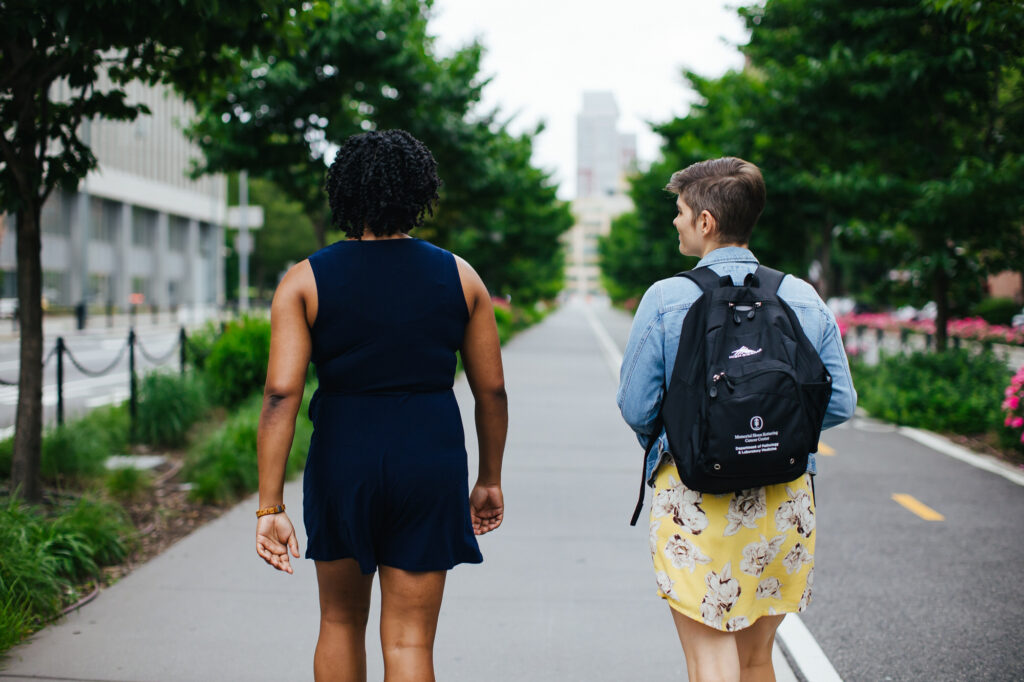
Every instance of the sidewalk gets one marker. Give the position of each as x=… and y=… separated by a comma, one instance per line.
x=566, y=591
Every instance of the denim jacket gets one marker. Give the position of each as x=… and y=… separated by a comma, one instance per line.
x=654, y=340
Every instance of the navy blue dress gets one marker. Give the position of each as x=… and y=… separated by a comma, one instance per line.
x=386, y=481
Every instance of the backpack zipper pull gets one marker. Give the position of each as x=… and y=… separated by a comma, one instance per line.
x=713, y=391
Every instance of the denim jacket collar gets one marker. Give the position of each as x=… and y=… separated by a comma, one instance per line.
x=727, y=254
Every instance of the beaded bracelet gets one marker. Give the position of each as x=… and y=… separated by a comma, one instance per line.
x=277, y=509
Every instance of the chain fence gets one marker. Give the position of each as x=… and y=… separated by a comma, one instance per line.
x=133, y=343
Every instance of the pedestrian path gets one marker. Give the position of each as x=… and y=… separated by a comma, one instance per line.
x=566, y=591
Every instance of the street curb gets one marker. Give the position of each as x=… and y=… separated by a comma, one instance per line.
x=947, y=447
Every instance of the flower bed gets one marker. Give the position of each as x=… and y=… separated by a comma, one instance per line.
x=968, y=329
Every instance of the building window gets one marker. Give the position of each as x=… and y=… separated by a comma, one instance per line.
x=105, y=217
x=177, y=234
x=55, y=287
x=56, y=215
x=100, y=290
x=143, y=227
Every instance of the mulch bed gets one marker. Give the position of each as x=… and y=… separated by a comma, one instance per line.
x=162, y=515
x=988, y=444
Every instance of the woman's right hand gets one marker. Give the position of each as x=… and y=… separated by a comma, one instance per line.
x=486, y=508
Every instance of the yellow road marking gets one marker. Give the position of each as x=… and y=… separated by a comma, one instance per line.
x=919, y=508
x=825, y=449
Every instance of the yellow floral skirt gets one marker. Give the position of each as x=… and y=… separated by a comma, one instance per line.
x=726, y=560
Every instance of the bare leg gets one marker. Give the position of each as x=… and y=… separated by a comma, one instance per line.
x=344, y=608
x=755, y=649
x=711, y=655
x=409, y=606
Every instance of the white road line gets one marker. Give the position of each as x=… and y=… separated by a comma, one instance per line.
x=940, y=444
x=802, y=650
x=609, y=350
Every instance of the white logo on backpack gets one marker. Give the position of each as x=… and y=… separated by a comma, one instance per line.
x=743, y=352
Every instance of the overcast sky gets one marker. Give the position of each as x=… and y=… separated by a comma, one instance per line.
x=542, y=55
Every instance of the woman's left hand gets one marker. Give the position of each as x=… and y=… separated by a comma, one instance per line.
x=275, y=535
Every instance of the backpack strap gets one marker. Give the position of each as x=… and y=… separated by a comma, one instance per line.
x=706, y=279
x=767, y=278
x=643, y=474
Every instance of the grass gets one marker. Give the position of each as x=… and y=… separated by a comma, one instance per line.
x=128, y=484
x=44, y=553
x=168, y=405
x=222, y=466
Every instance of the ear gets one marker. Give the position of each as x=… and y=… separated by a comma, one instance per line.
x=707, y=223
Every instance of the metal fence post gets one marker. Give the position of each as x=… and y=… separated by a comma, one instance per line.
x=60, y=381
x=133, y=397
x=182, y=339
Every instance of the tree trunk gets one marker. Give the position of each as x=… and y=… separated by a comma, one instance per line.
x=25, y=463
x=940, y=282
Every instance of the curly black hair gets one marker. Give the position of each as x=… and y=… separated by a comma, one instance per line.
x=385, y=181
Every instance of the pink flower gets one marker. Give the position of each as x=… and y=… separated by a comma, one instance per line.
x=1017, y=422
x=1008, y=421
x=1013, y=402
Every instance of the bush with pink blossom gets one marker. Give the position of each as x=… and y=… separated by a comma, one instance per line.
x=1013, y=407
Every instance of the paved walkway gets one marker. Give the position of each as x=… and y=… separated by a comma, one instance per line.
x=565, y=593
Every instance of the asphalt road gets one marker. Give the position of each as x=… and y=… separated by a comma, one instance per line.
x=897, y=597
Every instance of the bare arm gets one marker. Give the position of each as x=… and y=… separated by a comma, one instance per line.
x=290, y=350
x=481, y=357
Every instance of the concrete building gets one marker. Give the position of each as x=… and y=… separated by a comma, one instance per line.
x=604, y=156
x=138, y=230
x=604, y=159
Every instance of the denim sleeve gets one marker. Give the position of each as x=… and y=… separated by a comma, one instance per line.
x=844, y=396
x=642, y=376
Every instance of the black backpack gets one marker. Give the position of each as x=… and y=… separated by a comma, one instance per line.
x=748, y=391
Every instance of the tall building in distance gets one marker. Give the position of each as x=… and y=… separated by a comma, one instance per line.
x=604, y=156
x=604, y=159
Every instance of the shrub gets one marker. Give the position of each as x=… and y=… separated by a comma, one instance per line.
x=112, y=421
x=222, y=467
x=997, y=310
x=1012, y=433
x=237, y=364
x=40, y=556
x=199, y=343
x=953, y=391
x=6, y=453
x=168, y=405
x=28, y=572
x=15, y=617
x=128, y=483
x=103, y=525
x=74, y=453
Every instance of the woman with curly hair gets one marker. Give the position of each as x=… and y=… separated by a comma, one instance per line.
x=381, y=315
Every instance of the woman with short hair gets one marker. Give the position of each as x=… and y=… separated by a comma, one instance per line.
x=381, y=315
x=730, y=565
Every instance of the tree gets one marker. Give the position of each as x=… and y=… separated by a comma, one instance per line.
x=894, y=124
x=360, y=65
x=95, y=48
x=366, y=64
x=917, y=106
